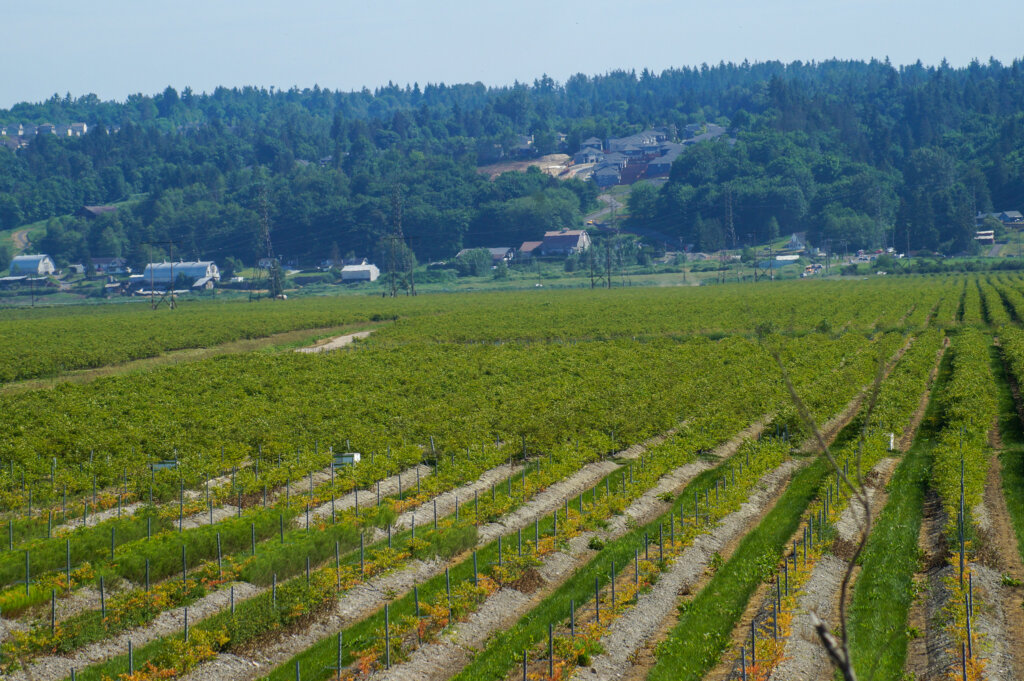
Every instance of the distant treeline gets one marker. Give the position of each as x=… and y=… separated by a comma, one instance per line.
x=863, y=153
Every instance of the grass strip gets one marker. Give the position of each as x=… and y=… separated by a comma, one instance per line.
x=90, y=544
x=1012, y=454
x=705, y=626
x=884, y=591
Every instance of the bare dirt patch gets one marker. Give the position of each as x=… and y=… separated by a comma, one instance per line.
x=552, y=164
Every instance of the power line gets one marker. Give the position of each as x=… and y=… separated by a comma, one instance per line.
x=154, y=304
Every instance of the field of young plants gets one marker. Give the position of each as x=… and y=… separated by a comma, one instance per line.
x=632, y=483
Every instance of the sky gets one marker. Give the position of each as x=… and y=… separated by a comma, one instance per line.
x=114, y=48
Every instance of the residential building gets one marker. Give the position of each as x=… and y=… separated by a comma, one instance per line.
x=565, y=242
x=592, y=143
x=498, y=254
x=501, y=253
x=606, y=176
x=662, y=165
x=617, y=159
x=588, y=155
x=529, y=249
x=32, y=265
x=523, y=147
x=1007, y=217
x=640, y=143
x=111, y=266
x=795, y=243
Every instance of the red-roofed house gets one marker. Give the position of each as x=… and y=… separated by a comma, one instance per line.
x=529, y=249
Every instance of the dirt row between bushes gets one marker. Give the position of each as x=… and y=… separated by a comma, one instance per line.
x=441, y=659
x=643, y=659
x=805, y=657
x=365, y=599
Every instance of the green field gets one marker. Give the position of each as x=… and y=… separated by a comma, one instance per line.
x=456, y=393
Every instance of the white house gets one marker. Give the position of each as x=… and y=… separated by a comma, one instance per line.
x=200, y=273
x=111, y=266
x=365, y=272
x=35, y=265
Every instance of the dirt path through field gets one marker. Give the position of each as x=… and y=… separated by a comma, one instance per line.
x=335, y=343
x=20, y=239
x=176, y=357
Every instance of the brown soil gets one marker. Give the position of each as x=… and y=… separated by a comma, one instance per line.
x=552, y=164
x=529, y=582
x=933, y=558
x=1001, y=553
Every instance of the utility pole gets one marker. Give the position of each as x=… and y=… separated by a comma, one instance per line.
x=397, y=237
x=590, y=263
x=256, y=284
x=878, y=213
x=730, y=229
x=154, y=304
x=608, y=265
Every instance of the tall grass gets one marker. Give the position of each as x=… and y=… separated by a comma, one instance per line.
x=87, y=545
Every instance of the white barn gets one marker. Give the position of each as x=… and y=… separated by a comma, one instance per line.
x=34, y=265
x=199, y=273
x=364, y=272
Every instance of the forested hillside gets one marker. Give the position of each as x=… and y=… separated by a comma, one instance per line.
x=863, y=152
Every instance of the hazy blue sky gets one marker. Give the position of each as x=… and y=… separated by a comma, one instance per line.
x=117, y=47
